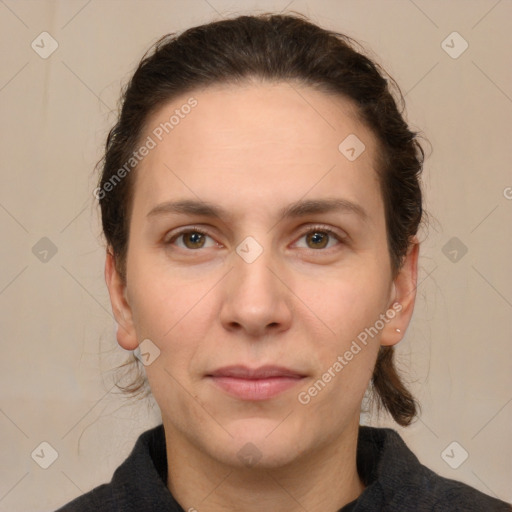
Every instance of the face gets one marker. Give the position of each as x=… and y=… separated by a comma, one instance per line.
x=258, y=268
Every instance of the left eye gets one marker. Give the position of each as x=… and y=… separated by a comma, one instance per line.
x=320, y=238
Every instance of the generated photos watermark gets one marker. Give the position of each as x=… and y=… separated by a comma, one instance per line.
x=151, y=142
x=305, y=397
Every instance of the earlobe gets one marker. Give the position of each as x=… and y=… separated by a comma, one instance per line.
x=403, y=295
x=126, y=336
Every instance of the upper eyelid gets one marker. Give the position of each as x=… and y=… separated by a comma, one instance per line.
x=321, y=227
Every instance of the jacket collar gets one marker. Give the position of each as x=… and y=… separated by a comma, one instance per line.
x=386, y=466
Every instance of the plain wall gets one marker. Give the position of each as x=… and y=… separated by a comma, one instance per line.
x=58, y=342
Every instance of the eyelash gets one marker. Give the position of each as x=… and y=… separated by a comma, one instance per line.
x=312, y=229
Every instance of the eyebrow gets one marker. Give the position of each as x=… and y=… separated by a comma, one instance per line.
x=297, y=209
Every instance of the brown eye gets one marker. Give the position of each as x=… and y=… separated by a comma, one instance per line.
x=320, y=237
x=191, y=239
x=317, y=239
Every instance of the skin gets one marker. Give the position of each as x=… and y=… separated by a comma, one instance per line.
x=254, y=149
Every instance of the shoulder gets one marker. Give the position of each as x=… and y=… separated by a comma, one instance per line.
x=452, y=495
x=138, y=481
x=398, y=481
x=98, y=500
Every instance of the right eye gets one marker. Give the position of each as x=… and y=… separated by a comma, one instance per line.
x=192, y=239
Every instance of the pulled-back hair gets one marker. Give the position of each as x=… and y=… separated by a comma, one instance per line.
x=275, y=48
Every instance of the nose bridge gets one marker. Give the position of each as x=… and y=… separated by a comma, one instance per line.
x=255, y=298
x=251, y=273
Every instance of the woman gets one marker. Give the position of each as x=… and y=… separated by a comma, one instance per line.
x=260, y=199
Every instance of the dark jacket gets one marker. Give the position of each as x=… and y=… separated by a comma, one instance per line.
x=394, y=478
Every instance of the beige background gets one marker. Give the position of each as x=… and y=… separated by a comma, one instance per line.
x=57, y=333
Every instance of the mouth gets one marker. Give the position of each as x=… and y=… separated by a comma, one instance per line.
x=255, y=383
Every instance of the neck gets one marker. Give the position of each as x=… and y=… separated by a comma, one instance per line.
x=324, y=480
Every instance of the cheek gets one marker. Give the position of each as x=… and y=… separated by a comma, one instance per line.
x=161, y=297
x=342, y=339
x=174, y=313
x=344, y=345
x=346, y=301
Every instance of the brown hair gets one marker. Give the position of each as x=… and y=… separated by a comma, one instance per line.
x=274, y=48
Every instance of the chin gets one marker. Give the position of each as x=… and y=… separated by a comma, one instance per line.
x=263, y=443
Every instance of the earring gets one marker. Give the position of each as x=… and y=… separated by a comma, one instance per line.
x=398, y=330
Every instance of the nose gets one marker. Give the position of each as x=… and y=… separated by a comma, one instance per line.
x=256, y=299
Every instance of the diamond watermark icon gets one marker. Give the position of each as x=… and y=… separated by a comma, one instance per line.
x=249, y=249
x=454, y=455
x=454, y=249
x=249, y=454
x=147, y=352
x=44, y=455
x=454, y=45
x=351, y=147
x=44, y=250
x=44, y=45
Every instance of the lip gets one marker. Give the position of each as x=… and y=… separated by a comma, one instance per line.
x=260, y=383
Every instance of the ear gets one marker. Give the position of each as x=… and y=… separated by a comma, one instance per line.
x=126, y=336
x=402, y=297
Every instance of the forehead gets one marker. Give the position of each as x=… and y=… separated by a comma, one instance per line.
x=256, y=146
